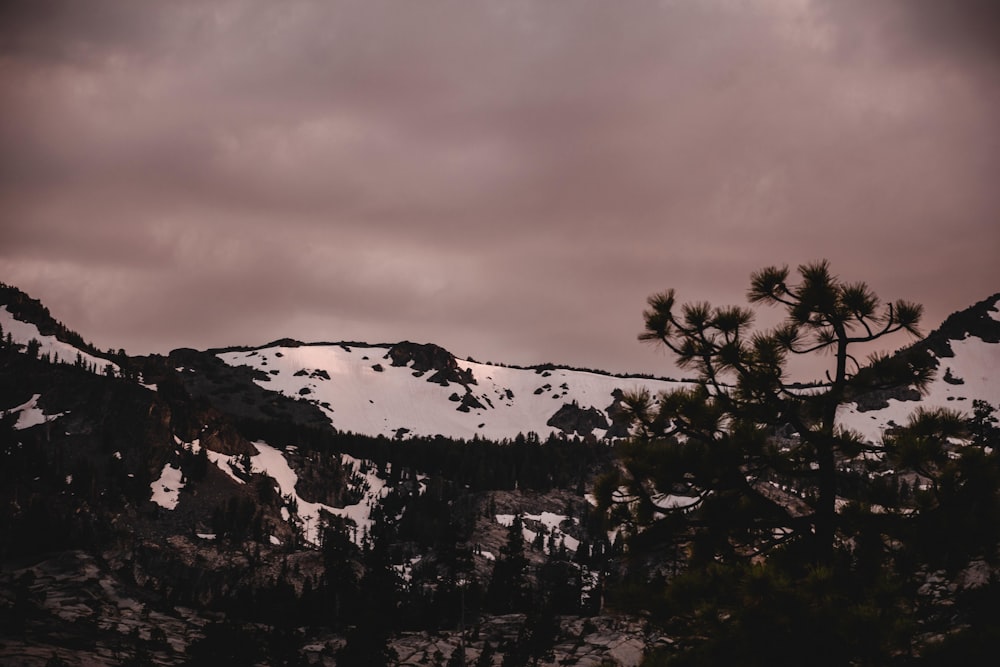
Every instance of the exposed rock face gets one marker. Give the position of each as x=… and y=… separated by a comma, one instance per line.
x=224, y=439
x=879, y=400
x=231, y=389
x=571, y=418
x=429, y=357
x=621, y=422
x=470, y=402
x=974, y=321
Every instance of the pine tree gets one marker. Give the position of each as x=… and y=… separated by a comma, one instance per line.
x=777, y=571
x=715, y=442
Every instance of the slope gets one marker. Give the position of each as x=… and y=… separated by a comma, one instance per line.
x=409, y=389
x=966, y=352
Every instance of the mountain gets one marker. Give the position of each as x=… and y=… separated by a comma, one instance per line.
x=422, y=389
x=24, y=320
x=965, y=351
x=163, y=507
x=409, y=389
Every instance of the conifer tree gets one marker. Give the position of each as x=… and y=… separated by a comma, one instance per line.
x=714, y=443
x=748, y=472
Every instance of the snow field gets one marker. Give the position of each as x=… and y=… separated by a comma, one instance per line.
x=22, y=332
x=550, y=520
x=271, y=461
x=373, y=402
x=976, y=363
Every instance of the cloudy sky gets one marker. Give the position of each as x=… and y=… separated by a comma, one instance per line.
x=509, y=178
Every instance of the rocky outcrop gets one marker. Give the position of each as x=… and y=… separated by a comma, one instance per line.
x=424, y=358
x=225, y=439
x=572, y=419
x=470, y=402
x=619, y=417
x=879, y=400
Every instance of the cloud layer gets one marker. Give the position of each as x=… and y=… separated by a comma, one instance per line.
x=507, y=179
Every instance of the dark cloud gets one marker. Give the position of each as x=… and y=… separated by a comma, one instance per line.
x=510, y=180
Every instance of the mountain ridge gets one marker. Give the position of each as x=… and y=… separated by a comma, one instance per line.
x=203, y=485
x=322, y=385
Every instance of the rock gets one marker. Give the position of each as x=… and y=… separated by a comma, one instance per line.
x=428, y=357
x=571, y=418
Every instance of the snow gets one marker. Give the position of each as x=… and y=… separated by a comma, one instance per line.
x=271, y=461
x=167, y=489
x=550, y=520
x=148, y=385
x=669, y=501
x=29, y=414
x=976, y=363
x=22, y=332
x=365, y=401
x=405, y=570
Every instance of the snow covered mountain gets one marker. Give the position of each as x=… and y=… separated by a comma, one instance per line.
x=966, y=353
x=412, y=389
x=26, y=323
x=421, y=390
x=206, y=473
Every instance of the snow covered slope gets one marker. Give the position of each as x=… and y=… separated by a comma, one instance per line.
x=967, y=351
x=22, y=333
x=409, y=389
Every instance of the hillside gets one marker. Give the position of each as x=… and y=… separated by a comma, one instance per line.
x=966, y=355
x=279, y=498
x=412, y=389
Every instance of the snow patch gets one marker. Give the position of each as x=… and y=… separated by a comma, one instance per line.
x=166, y=491
x=22, y=332
x=550, y=520
x=29, y=414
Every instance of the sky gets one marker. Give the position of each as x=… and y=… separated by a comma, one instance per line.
x=508, y=179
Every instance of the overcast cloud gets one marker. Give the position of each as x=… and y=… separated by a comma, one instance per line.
x=508, y=179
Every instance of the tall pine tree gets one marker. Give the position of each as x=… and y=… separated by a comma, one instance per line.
x=715, y=445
